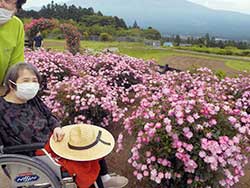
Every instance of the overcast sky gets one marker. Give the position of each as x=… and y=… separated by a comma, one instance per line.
x=233, y=5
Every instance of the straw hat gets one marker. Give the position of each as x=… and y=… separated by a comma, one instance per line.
x=83, y=142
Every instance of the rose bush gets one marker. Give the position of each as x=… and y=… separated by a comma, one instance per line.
x=72, y=35
x=191, y=132
x=36, y=25
x=191, y=129
x=86, y=88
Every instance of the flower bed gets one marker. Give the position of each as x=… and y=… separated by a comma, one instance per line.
x=191, y=132
x=192, y=129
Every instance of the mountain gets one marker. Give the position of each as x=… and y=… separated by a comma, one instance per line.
x=174, y=17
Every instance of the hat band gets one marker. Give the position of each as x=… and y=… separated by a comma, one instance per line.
x=98, y=139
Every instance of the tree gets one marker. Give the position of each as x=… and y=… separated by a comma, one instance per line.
x=95, y=30
x=189, y=40
x=177, y=40
x=242, y=45
x=221, y=44
x=120, y=23
x=85, y=35
x=207, y=40
x=99, y=13
x=213, y=42
x=135, y=32
x=201, y=41
x=91, y=10
x=152, y=34
x=135, y=25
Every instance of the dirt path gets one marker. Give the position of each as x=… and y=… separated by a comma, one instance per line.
x=188, y=62
x=244, y=181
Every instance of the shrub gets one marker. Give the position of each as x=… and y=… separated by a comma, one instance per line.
x=192, y=129
x=72, y=37
x=85, y=35
x=32, y=28
x=105, y=37
x=220, y=74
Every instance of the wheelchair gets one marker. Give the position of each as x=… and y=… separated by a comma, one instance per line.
x=35, y=171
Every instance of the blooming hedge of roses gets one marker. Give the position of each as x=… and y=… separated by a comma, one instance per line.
x=88, y=88
x=36, y=25
x=72, y=36
x=71, y=33
x=52, y=66
x=192, y=129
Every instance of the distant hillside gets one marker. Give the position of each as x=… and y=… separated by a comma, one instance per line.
x=93, y=25
x=175, y=16
x=84, y=16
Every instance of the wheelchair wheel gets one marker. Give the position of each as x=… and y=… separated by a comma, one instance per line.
x=27, y=172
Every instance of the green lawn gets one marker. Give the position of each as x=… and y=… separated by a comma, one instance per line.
x=238, y=65
x=155, y=54
x=140, y=50
x=226, y=51
x=55, y=44
x=60, y=44
x=134, y=49
x=101, y=45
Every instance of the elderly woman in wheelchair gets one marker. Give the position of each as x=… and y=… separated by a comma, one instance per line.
x=73, y=155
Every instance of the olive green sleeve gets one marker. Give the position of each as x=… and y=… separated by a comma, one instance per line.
x=17, y=55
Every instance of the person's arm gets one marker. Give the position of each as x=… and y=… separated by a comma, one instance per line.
x=17, y=55
x=33, y=42
x=41, y=41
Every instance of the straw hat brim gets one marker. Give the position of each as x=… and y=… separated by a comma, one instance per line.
x=98, y=151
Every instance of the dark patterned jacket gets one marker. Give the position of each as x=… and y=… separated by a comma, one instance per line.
x=27, y=123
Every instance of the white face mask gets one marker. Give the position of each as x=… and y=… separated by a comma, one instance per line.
x=5, y=15
x=26, y=91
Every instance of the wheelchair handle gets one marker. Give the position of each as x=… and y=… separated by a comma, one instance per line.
x=21, y=148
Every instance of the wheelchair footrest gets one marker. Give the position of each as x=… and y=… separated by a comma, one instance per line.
x=65, y=175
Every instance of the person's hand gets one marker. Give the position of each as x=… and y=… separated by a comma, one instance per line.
x=58, y=134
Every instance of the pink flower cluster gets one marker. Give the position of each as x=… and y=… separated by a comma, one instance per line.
x=72, y=36
x=191, y=128
x=36, y=25
x=86, y=88
x=197, y=123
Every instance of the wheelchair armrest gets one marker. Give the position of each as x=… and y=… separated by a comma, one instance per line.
x=21, y=148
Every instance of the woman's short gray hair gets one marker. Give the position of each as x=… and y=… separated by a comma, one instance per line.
x=14, y=73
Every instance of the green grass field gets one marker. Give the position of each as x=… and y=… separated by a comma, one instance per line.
x=140, y=50
x=226, y=51
x=238, y=65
